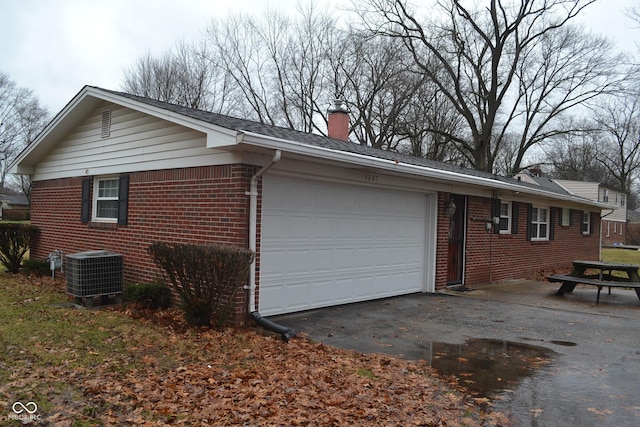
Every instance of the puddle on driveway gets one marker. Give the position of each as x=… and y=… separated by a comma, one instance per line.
x=485, y=366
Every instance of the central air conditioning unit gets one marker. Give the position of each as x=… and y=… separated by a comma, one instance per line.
x=94, y=274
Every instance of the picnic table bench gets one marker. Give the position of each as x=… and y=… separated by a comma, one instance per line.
x=604, y=277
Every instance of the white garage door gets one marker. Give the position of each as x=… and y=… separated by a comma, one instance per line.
x=327, y=243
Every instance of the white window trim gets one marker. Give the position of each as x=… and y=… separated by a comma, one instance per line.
x=536, y=223
x=586, y=215
x=508, y=217
x=96, y=180
x=566, y=217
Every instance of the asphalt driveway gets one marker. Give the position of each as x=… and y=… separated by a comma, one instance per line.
x=593, y=378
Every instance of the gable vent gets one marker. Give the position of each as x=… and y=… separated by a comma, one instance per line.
x=106, y=124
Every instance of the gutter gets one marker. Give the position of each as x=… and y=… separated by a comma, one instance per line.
x=275, y=143
x=284, y=332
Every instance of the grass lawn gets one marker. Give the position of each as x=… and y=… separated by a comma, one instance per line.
x=126, y=366
x=624, y=256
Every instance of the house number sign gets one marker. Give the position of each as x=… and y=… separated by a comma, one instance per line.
x=371, y=177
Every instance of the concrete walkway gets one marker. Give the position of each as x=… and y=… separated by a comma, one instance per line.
x=620, y=303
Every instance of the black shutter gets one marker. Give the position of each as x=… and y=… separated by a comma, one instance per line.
x=552, y=222
x=123, y=199
x=594, y=219
x=515, y=207
x=495, y=213
x=86, y=200
x=560, y=215
x=529, y=215
x=570, y=217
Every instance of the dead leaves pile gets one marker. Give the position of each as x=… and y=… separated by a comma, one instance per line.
x=240, y=377
x=268, y=382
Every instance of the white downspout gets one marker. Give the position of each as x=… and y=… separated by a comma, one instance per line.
x=253, y=219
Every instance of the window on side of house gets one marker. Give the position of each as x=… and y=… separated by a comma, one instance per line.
x=566, y=217
x=105, y=199
x=623, y=200
x=505, y=217
x=586, y=223
x=539, y=223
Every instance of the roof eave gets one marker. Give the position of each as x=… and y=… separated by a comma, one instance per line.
x=259, y=140
x=88, y=98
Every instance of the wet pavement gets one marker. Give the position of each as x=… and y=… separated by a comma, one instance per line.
x=545, y=360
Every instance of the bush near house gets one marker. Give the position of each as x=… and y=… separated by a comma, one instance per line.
x=205, y=277
x=15, y=242
x=37, y=267
x=152, y=295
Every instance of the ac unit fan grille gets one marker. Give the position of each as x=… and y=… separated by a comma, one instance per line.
x=94, y=273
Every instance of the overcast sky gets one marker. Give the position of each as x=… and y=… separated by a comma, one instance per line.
x=55, y=47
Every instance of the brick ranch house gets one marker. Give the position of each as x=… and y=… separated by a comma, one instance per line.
x=331, y=221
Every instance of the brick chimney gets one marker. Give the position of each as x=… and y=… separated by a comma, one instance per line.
x=536, y=171
x=338, y=121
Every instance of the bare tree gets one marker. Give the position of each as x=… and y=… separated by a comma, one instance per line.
x=574, y=155
x=152, y=77
x=480, y=58
x=185, y=75
x=561, y=72
x=379, y=85
x=278, y=64
x=21, y=120
x=619, y=121
x=308, y=77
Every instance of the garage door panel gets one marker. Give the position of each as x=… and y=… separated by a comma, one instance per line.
x=337, y=243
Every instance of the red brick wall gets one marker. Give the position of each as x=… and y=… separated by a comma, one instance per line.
x=442, y=238
x=611, y=232
x=632, y=233
x=193, y=205
x=491, y=258
x=209, y=205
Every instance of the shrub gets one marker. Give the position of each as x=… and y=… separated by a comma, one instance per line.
x=15, y=241
x=38, y=267
x=205, y=277
x=150, y=295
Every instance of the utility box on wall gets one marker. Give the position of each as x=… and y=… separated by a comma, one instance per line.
x=94, y=273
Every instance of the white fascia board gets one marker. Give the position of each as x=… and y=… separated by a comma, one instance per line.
x=217, y=136
x=263, y=141
x=15, y=167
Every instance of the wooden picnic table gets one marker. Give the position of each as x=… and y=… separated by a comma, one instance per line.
x=599, y=274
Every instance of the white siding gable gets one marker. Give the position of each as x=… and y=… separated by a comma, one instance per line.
x=588, y=190
x=593, y=191
x=135, y=142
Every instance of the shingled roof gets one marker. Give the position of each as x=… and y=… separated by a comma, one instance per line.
x=244, y=125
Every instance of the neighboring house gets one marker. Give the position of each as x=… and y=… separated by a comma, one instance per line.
x=633, y=228
x=13, y=206
x=614, y=220
x=331, y=221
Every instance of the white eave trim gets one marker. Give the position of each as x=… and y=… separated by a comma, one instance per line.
x=260, y=140
x=213, y=132
x=218, y=137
